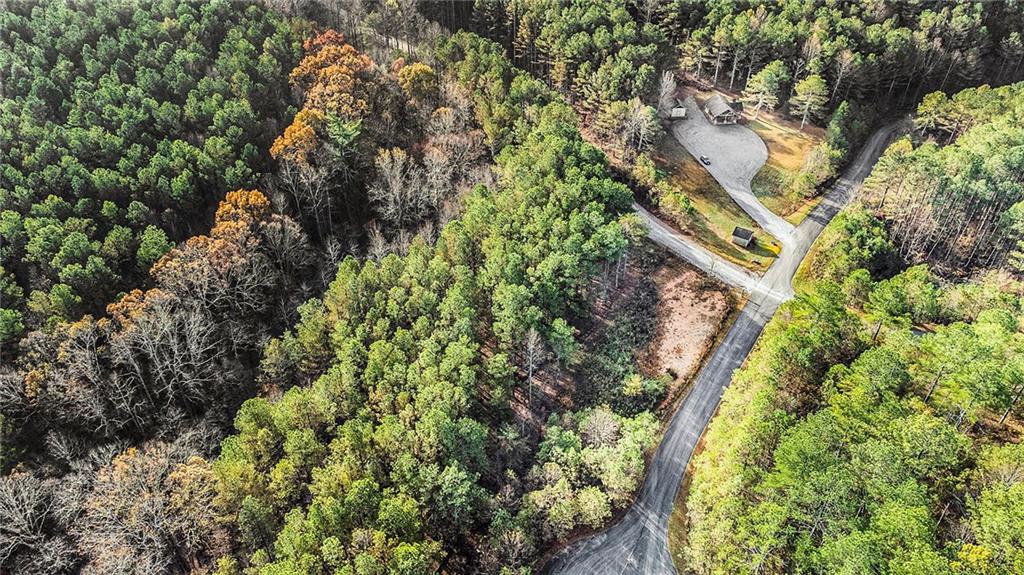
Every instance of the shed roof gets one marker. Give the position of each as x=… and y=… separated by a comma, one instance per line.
x=742, y=233
x=716, y=106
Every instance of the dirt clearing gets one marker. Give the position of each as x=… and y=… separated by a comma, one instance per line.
x=691, y=312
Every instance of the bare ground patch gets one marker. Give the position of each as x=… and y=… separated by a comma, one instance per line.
x=672, y=314
x=692, y=310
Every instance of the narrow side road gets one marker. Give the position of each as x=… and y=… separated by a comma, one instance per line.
x=638, y=544
x=691, y=251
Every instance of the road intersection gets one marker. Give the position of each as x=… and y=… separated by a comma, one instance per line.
x=638, y=543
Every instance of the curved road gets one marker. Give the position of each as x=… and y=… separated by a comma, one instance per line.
x=638, y=544
x=701, y=257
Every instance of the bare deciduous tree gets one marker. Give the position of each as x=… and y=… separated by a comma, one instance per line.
x=458, y=102
x=30, y=511
x=601, y=428
x=533, y=357
x=397, y=192
x=13, y=401
x=647, y=8
x=287, y=245
x=666, y=93
x=168, y=353
x=24, y=508
x=70, y=393
x=439, y=170
x=311, y=186
x=63, y=447
x=444, y=120
x=377, y=246
x=639, y=127
x=845, y=61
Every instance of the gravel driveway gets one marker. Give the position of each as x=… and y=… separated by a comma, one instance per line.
x=736, y=155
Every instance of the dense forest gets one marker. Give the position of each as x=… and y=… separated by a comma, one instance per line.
x=952, y=191
x=411, y=362
x=601, y=52
x=123, y=127
x=850, y=444
x=458, y=218
x=279, y=282
x=891, y=52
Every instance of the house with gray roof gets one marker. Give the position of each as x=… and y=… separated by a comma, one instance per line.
x=719, y=111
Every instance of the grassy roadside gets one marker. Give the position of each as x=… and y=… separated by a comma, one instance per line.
x=803, y=281
x=678, y=524
x=787, y=149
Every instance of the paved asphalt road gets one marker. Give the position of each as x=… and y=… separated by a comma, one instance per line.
x=638, y=544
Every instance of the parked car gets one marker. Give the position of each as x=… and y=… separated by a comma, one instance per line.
x=705, y=160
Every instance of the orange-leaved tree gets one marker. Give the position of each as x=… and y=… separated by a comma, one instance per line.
x=325, y=145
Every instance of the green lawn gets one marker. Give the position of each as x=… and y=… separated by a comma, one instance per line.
x=716, y=214
x=786, y=151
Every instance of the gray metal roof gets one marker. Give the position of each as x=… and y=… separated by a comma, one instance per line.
x=716, y=106
x=742, y=233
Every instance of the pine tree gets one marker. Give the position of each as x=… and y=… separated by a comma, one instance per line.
x=764, y=87
x=809, y=99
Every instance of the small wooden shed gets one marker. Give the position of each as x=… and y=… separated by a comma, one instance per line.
x=742, y=236
x=678, y=112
